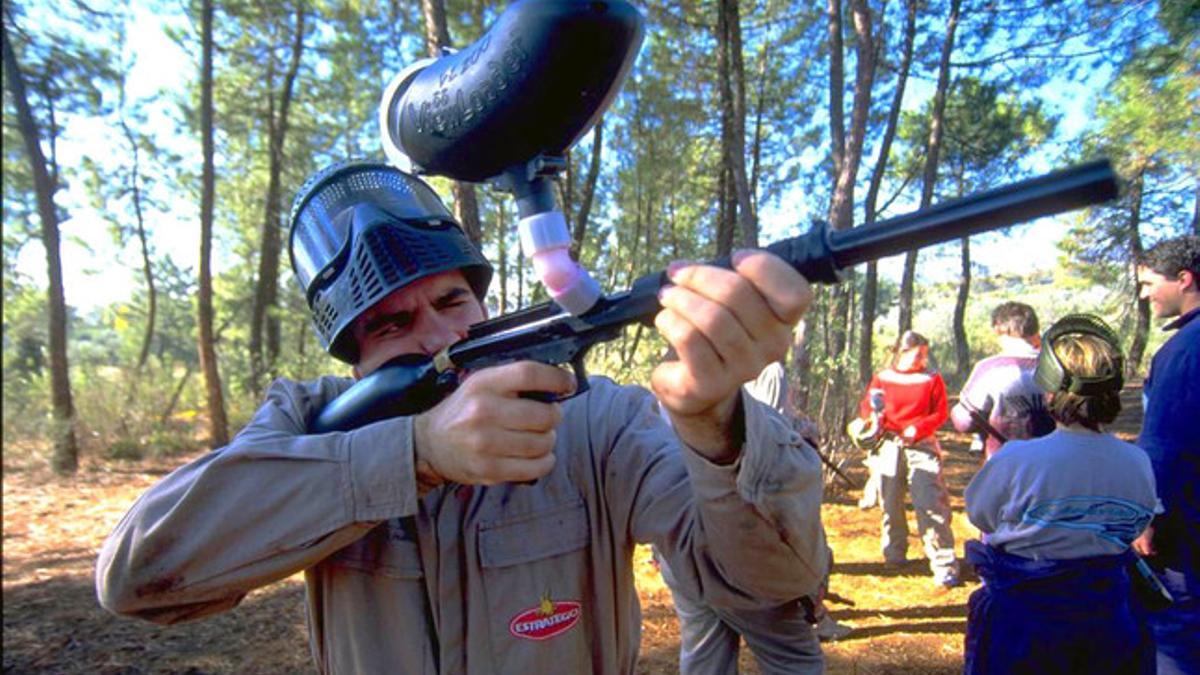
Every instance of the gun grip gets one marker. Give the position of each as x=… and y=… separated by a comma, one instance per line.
x=581, y=385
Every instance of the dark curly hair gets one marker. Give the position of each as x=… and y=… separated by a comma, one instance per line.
x=1172, y=256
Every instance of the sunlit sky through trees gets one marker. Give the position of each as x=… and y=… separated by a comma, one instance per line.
x=97, y=274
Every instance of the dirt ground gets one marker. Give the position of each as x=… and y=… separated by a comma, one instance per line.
x=53, y=528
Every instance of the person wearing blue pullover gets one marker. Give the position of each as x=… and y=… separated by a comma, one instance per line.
x=1169, y=278
x=1060, y=513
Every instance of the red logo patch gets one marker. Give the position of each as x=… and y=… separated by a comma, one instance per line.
x=546, y=620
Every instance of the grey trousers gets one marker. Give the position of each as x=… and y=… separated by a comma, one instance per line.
x=919, y=467
x=781, y=639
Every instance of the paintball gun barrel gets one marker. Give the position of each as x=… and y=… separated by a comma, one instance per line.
x=412, y=384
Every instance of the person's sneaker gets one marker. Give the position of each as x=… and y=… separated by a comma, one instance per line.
x=948, y=580
x=829, y=630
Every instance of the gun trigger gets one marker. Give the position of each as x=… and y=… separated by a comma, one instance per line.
x=447, y=381
x=581, y=381
x=540, y=396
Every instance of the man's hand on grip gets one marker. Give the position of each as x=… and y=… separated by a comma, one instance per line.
x=484, y=432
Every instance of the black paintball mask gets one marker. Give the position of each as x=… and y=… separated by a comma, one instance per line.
x=361, y=230
x=1050, y=374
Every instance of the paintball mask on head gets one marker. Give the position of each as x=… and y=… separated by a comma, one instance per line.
x=1050, y=374
x=360, y=230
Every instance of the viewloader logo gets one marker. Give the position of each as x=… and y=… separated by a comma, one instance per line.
x=546, y=620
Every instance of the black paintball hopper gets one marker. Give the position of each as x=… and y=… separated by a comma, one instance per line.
x=530, y=87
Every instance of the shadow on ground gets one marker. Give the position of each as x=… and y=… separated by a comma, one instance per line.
x=56, y=626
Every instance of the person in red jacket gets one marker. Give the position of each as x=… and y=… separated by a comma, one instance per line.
x=914, y=407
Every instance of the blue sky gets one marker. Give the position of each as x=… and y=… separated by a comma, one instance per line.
x=92, y=280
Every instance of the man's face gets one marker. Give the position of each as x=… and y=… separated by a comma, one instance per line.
x=1164, y=293
x=420, y=318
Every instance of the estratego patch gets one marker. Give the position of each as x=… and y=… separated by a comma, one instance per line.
x=545, y=621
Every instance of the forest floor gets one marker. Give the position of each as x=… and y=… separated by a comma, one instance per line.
x=53, y=527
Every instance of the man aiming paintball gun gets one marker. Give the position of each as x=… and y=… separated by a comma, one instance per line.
x=423, y=548
x=485, y=521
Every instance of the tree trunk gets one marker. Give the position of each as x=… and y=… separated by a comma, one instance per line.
x=759, y=110
x=731, y=75
x=147, y=269
x=962, y=348
x=1196, y=209
x=725, y=214
x=866, y=345
x=266, y=295
x=502, y=253
x=837, y=81
x=801, y=366
x=932, y=149
x=466, y=204
x=218, y=425
x=170, y=409
x=143, y=241
x=65, y=458
x=866, y=324
x=1141, y=331
x=589, y=190
x=841, y=207
x=466, y=210
x=726, y=207
x=520, y=274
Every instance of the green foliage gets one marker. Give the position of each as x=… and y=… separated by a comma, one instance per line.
x=124, y=449
x=985, y=133
x=656, y=199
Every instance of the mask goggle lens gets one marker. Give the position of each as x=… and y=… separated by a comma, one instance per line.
x=321, y=230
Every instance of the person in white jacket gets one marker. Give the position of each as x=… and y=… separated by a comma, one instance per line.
x=492, y=533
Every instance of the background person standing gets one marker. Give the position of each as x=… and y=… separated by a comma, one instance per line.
x=1169, y=277
x=1000, y=390
x=914, y=407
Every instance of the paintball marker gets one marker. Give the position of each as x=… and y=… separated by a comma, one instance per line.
x=412, y=384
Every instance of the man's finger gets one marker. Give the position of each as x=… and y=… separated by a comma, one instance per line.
x=509, y=470
x=505, y=443
x=728, y=288
x=717, y=323
x=786, y=291
x=512, y=379
x=520, y=414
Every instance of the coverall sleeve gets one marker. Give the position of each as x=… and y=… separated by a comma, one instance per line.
x=273, y=502
x=744, y=535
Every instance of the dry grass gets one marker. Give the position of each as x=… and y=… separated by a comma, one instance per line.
x=52, y=624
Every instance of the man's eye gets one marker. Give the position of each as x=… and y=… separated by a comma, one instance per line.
x=392, y=327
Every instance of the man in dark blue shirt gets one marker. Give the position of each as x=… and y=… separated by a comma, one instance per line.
x=1169, y=277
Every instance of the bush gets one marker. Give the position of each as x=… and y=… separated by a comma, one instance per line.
x=124, y=450
x=166, y=443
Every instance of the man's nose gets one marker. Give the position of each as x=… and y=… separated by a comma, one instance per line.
x=437, y=332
